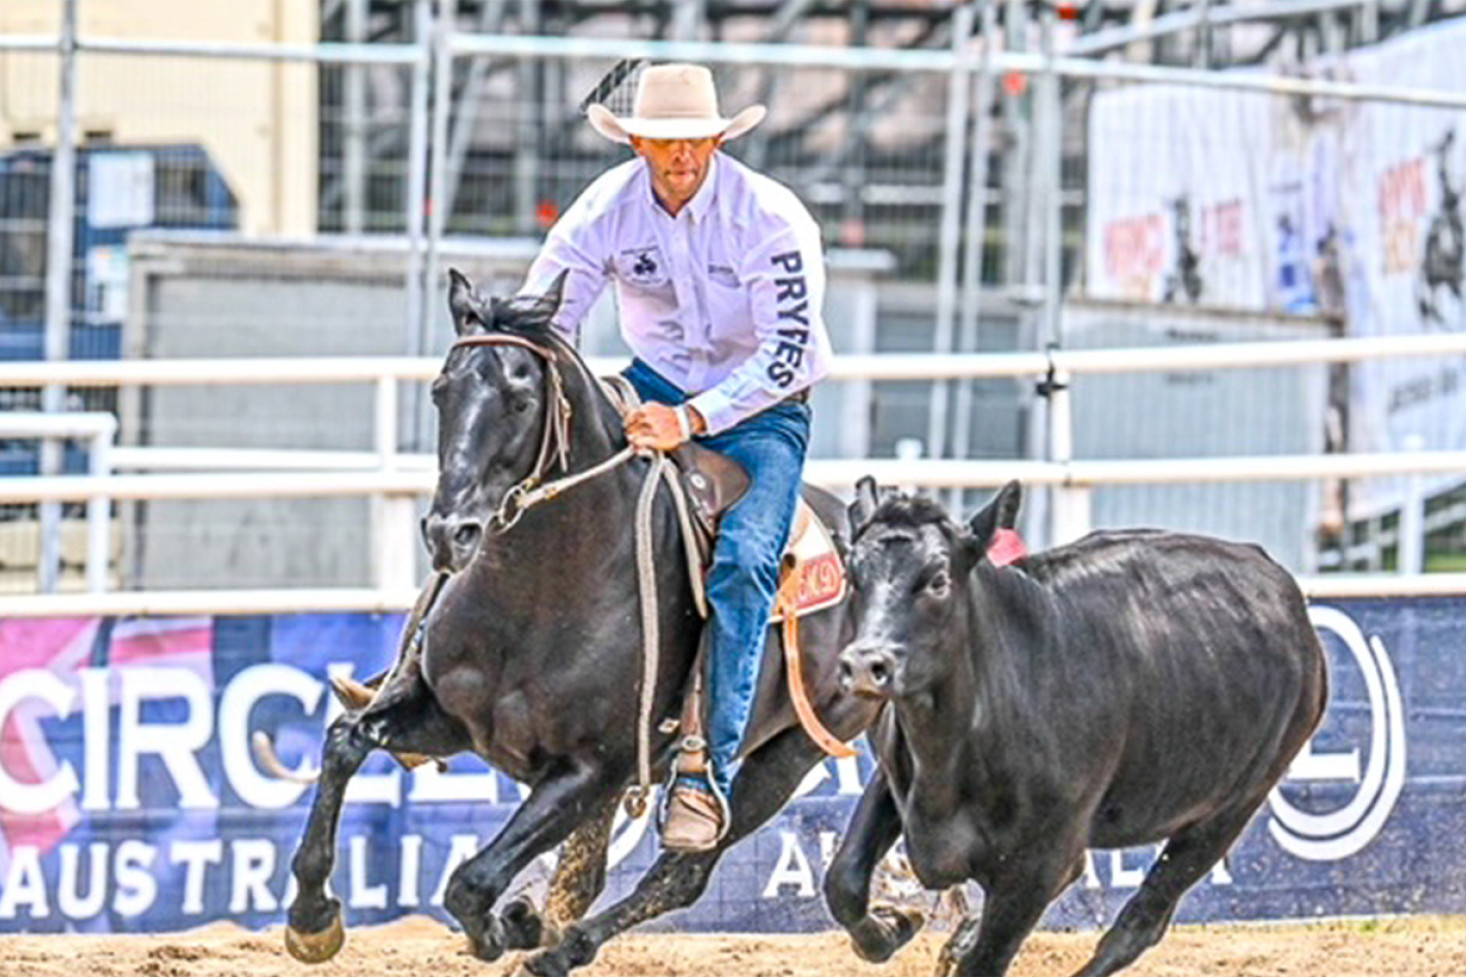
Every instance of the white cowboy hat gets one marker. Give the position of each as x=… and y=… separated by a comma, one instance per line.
x=674, y=101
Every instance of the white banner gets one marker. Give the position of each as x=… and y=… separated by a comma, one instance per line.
x=1406, y=186
x=1279, y=205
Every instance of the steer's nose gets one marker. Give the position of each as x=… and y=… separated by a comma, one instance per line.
x=452, y=541
x=867, y=671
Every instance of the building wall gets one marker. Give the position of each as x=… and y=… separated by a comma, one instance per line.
x=258, y=120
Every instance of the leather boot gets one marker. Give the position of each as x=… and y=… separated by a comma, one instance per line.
x=696, y=817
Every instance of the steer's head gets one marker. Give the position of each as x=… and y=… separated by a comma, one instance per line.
x=910, y=566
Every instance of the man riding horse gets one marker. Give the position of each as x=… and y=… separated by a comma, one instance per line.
x=719, y=279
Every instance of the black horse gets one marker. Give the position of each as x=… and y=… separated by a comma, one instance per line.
x=531, y=655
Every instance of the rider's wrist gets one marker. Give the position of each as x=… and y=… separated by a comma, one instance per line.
x=696, y=423
x=684, y=421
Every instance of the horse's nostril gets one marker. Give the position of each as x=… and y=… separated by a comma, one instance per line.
x=880, y=672
x=467, y=534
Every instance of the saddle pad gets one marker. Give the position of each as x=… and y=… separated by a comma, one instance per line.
x=811, y=554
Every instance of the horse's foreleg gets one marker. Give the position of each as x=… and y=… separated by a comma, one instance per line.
x=553, y=809
x=580, y=875
x=315, y=933
x=875, y=932
x=414, y=724
x=677, y=879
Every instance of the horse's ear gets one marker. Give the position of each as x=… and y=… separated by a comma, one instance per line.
x=864, y=506
x=555, y=294
x=462, y=303
x=1001, y=512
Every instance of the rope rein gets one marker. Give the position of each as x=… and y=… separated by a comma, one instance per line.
x=534, y=489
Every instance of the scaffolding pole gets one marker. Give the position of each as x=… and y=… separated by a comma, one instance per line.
x=59, y=241
x=958, y=92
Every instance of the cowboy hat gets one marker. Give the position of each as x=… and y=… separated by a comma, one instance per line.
x=674, y=101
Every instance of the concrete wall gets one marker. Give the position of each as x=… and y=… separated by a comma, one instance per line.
x=202, y=295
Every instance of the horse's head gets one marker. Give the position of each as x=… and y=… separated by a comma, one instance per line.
x=491, y=399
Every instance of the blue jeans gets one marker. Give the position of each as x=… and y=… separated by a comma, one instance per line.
x=745, y=574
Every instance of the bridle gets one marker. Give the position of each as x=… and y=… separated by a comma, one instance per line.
x=554, y=441
x=534, y=489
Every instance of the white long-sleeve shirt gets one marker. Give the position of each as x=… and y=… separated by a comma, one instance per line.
x=723, y=300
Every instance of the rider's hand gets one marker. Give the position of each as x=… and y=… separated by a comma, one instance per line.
x=655, y=426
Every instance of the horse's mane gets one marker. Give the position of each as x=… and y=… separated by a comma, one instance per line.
x=523, y=315
x=532, y=317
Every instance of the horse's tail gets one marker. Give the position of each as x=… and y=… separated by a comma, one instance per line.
x=264, y=749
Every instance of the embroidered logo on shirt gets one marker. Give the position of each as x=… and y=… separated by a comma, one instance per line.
x=724, y=275
x=643, y=266
x=792, y=305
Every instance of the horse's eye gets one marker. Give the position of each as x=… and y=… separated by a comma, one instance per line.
x=940, y=583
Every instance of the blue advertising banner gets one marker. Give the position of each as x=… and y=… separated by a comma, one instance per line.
x=130, y=799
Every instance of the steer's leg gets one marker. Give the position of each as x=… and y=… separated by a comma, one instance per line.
x=1187, y=857
x=1014, y=901
x=415, y=724
x=579, y=877
x=677, y=879
x=553, y=809
x=875, y=932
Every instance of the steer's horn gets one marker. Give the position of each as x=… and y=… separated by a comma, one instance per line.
x=265, y=753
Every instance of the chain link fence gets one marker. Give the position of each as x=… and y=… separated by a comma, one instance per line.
x=370, y=145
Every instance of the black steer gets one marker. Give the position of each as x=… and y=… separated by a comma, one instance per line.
x=1130, y=688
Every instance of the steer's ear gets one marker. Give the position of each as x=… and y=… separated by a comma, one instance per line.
x=462, y=303
x=864, y=506
x=1000, y=513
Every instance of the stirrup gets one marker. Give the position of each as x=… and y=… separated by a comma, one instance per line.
x=725, y=810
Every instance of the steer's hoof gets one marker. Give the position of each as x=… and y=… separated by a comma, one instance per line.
x=316, y=947
x=523, y=927
x=488, y=943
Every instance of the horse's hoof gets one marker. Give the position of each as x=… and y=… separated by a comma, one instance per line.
x=885, y=930
x=523, y=927
x=316, y=947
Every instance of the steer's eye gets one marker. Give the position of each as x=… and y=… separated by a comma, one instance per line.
x=939, y=584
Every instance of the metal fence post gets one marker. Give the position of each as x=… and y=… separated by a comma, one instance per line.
x=438, y=174
x=958, y=90
x=99, y=509
x=59, y=238
x=1410, y=531
x=354, y=128
x=1068, y=506
x=975, y=231
x=393, y=516
x=416, y=192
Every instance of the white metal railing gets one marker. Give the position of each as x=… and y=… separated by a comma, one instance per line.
x=393, y=479
x=100, y=429
x=388, y=600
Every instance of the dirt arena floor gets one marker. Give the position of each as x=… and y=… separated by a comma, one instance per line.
x=1421, y=947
